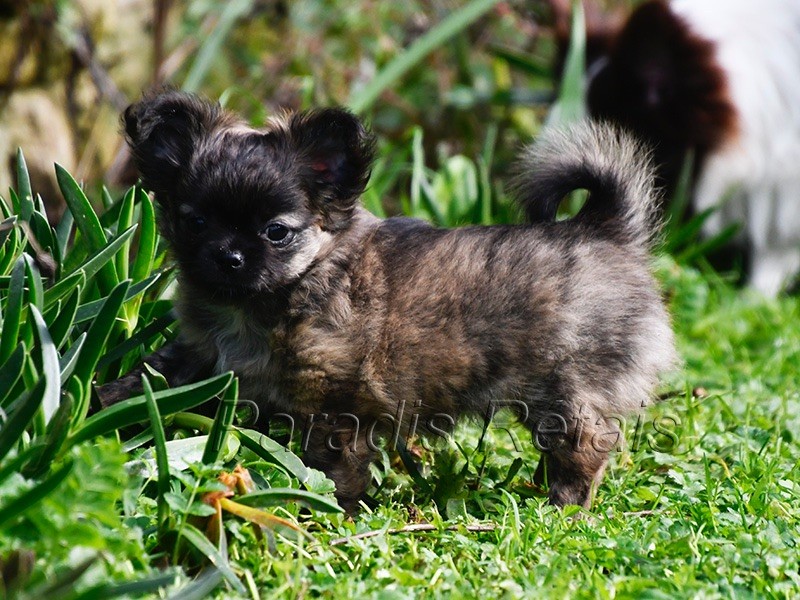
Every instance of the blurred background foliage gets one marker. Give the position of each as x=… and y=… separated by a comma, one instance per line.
x=68, y=67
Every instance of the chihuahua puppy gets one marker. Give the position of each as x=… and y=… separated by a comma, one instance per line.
x=718, y=78
x=351, y=324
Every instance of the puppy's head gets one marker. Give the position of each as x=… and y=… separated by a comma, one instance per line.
x=245, y=210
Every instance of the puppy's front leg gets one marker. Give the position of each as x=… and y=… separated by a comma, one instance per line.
x=174, y=361
x=572, y=477
x=337, y=446
x=573, y=463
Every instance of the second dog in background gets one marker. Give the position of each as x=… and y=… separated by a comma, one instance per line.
x=721, y=78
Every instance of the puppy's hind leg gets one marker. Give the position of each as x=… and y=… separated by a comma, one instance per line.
x=343, y=452
x=572, y=465
x=572, y=476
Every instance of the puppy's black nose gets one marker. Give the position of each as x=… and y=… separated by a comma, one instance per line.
x=230, y=260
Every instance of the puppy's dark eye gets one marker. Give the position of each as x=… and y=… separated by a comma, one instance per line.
x=277, y=234
x=195, y=222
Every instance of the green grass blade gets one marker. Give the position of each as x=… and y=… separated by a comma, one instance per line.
x=200, y=588
x=125, y=220
x=93, y=265
x=417, y=172
x=134, y=410
x=193, y=535
x=373, y=203
x=75, y=387
x=96, y=339
x=17, y=506
x=485, y=161
x=157, y=379
x=710, y=245
x=282, y=496
x=70, y=359
x=65, y=319
x=485, y=192
x=140, y=337
x=65, y=286
x=108, y=202
x=222, y=424
x=44, y=235
x=413, y=468
x=137, y=441
x=421, y=191
x=15, y=207
x=109, y=218
x=676, y=209
x=143, y=264
x=437, y=37
x=25, y=193
x=7, y=226
x=35, y=287
x=40, y=208
x=57, y=432
x=11, y=250
x=272, y=452
x=63, y=232
x=186, y=451
x=64, y=583
x=110, y=215
x=22, y=416
x=571, y=103
x=132, y=589
x=17, y=462
x=11, y=371
x=188, y=420
x=210, y=48
x=386, y=171
x=87, y=222
x=85, y=217
x=12, y=316
x=49, y=364
x=521, y=61
x=90, y=310
x=682, y=236
x=160, y=443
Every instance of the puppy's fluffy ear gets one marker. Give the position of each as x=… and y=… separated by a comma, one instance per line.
x=162, y=131
x=335, y=151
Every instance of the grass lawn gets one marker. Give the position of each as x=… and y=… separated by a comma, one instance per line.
x=706, y=508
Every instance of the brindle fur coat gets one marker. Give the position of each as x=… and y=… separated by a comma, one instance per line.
x=346, y=321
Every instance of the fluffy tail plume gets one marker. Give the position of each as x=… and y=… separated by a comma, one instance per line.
x=614, y=167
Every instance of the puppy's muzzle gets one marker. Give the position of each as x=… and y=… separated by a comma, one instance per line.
x=229, y=261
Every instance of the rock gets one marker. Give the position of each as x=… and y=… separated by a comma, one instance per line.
x=35, y=120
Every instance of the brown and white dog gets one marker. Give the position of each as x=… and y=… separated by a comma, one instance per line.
x=341, y=319
x=720, y=78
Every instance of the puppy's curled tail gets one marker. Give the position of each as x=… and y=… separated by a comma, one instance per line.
x=601, y=158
